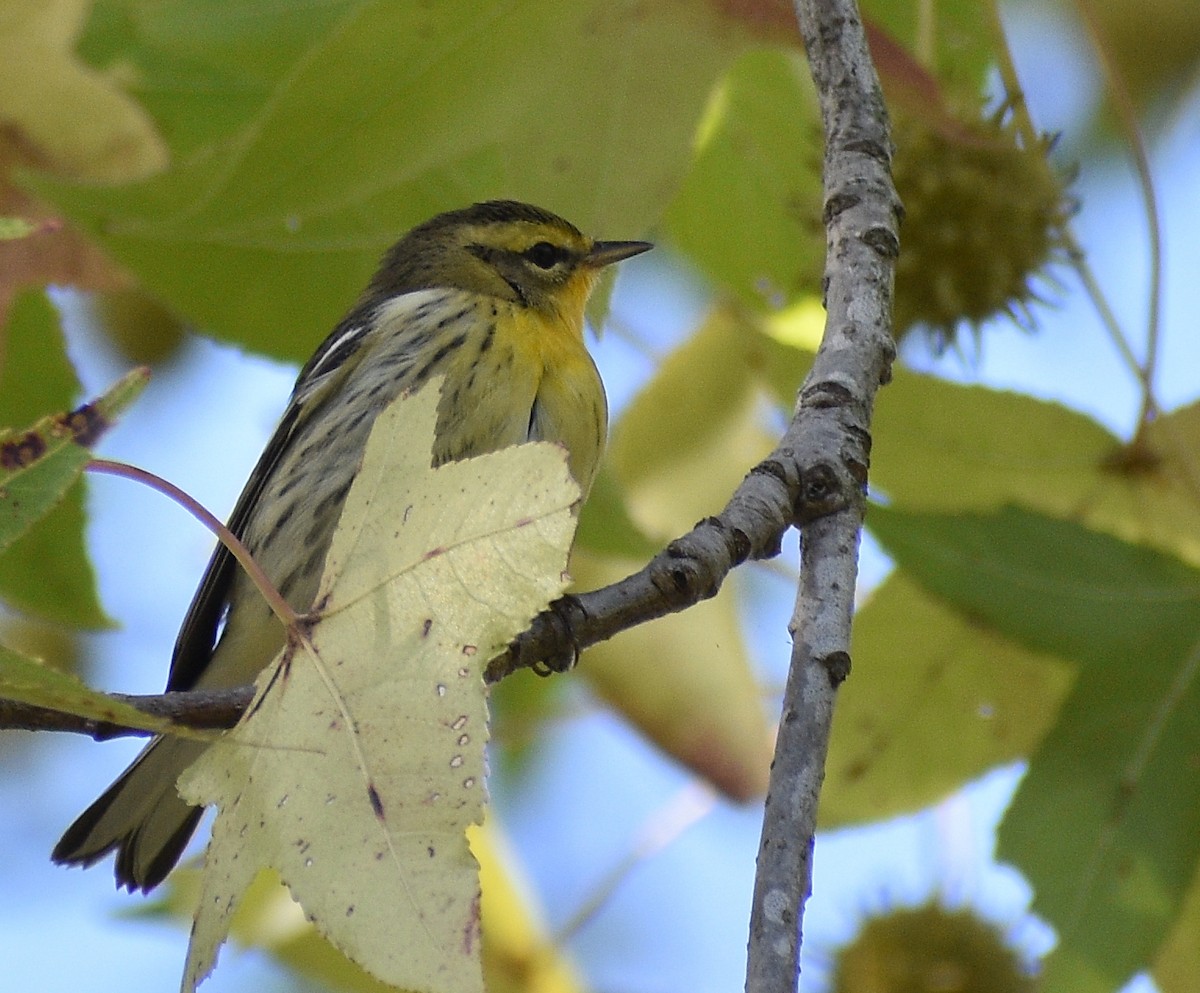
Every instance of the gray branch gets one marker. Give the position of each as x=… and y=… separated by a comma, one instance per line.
x=790, y=485
x=833, y=415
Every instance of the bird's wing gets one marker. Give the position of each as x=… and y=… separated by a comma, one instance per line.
x=338, y=355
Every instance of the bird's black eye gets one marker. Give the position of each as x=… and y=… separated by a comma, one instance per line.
x=545, y=255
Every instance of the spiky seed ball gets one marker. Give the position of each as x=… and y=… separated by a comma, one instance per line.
x=929, y=949
x=984, y=215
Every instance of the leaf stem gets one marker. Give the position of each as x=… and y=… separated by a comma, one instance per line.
x=282, y=609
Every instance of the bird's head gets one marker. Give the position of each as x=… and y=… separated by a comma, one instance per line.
x=505, y=249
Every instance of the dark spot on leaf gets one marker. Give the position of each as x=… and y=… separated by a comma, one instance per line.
x=471, y=932
x=432, y=851
x=23, y=452
x=376, y=803
x=426, y=627
x=433, y=553
x=85, y=424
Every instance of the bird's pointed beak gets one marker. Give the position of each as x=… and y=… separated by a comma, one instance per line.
x=607, y=252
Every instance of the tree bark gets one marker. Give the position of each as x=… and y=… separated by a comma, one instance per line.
x=831, y=429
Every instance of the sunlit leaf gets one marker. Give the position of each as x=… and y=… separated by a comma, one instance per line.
x=989, y=447
x=516, y=949
x=933, y=701
x=1178, y=963
x=605, y=526
x=78, y=118
x=13, y=228
x=519, y=955
x=690, y=436
x=359, y=766
x=749, y=211
x=686, y=682
x=303, y=146
x=954, y=44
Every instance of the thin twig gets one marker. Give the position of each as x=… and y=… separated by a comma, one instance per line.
x=196, y=709
x=1122, y=104
x=794, y=483
x=1075, y=253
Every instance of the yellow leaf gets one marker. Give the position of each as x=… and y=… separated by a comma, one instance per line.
x=361, y=762
x=686, y=682
x=688, y=439
x=518, y=954
x=76, y=117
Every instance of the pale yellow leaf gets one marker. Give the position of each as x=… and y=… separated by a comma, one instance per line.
x=361, y=762
x=78, y=119
x=685, y=680
x=691, y=435
x=519, y=954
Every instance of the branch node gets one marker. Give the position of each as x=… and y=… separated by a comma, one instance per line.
x=880, y=151
x=820, y=494
x=773, y=469
x=826, y=393
x=838, y=204
x=836, y=666
x=883, y=240
x=563, y=653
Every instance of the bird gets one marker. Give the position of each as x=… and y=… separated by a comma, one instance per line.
x=490, y=296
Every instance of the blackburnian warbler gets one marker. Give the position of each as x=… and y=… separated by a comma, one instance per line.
x=492, y=297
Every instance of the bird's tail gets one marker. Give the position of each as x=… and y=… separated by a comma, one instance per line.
x=141, y=816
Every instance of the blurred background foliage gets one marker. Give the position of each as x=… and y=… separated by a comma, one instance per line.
x=233, y=170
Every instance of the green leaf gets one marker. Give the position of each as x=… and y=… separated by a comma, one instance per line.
x=1107, y=821
x=954, y=44
x=15, y=228
x=923, y=714
x=44, y=569
x=29, y=680
x=693, y=432
x=986, y=448
x=35, y=373
x=303, y=145
x=756, y=181
x=605, y=526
